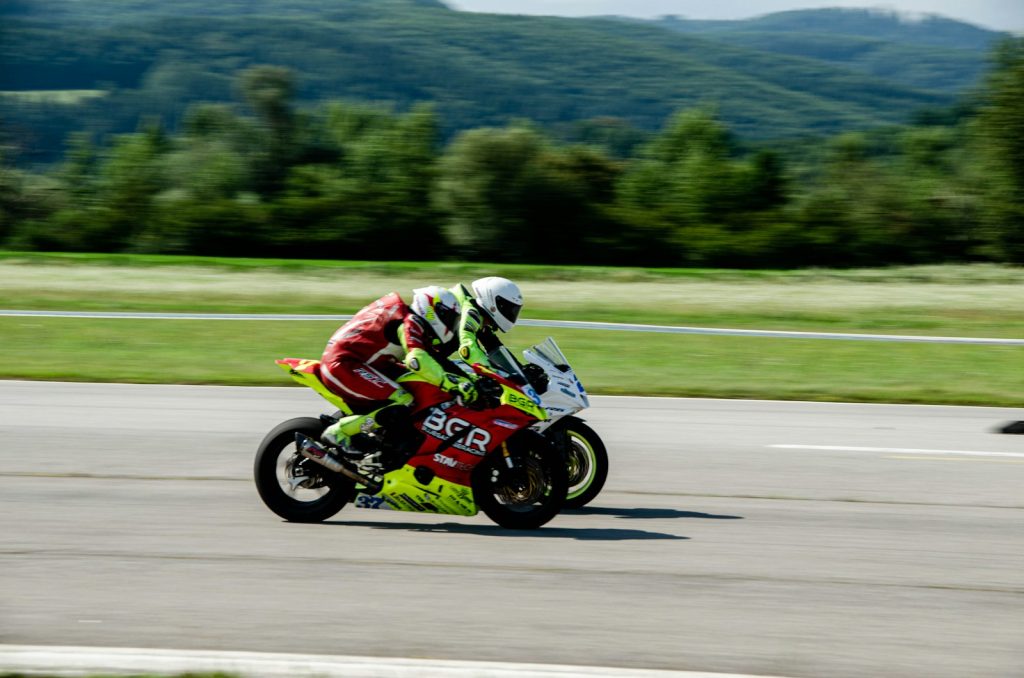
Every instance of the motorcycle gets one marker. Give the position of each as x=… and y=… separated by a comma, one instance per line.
x=446, y=458
x=562, y=395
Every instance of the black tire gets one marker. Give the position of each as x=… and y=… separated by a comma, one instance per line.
x=586, y=463
x=328, y=492
x=528, y=499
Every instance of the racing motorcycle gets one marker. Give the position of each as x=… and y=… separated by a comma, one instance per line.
x=561, y=395
x=446, y=458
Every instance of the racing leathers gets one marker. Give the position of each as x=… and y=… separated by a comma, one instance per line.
x=365, y=356
x=475, y=332
x=477, y=338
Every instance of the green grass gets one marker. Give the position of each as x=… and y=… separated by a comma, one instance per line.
x=952, y=301
x=54, y=96
x=242, y=353
x=938, y=300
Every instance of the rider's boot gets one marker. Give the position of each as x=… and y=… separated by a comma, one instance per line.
x=345, y=435
x=358, y=434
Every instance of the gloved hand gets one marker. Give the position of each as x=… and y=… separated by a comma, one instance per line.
x=537, y=377
x=464, y=387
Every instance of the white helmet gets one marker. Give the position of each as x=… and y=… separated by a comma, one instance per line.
x=439, y=308
x=500, y=299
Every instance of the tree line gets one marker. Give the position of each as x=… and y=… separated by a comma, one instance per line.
x=354, y=181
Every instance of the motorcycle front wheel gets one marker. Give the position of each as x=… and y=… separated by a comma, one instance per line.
x=526, y=497
x=295, y=488
x=587, y=463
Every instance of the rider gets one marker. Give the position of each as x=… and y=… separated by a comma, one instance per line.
x=381, y=342
x=494, y=303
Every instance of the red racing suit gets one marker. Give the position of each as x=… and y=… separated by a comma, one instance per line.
x=381, y=342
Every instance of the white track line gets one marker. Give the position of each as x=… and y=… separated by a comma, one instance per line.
x=88, y=660
x=897, y=450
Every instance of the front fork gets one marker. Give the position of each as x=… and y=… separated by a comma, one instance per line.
x=513, y=471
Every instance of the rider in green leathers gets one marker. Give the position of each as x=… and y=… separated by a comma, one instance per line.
x=489, y=304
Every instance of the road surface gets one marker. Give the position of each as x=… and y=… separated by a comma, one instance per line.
x=795, y=539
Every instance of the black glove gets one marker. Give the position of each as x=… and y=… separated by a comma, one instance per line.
x=537, y=377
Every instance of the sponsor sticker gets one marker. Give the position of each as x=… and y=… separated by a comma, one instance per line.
x=505, y=424
x=369, y=376
x=517, y=400
x=440, y=425
x=445, y=460
x=370, y=502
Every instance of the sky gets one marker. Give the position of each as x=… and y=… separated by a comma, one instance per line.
x=1002, y=15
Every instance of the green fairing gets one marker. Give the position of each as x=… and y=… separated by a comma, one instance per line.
x=403, y=492
x=311, y=380
x=470, y=323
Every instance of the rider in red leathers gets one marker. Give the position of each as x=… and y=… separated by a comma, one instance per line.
x=380, y=343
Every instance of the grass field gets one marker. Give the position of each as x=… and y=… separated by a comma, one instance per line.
x=54, y=96
x=949, y=301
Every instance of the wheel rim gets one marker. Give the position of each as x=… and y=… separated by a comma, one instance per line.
x=581, y=463
x=298, y=478
x=528, y=492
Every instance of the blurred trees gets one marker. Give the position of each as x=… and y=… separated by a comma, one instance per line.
x=511, y=195
x=267, y=177
x=1000, y=140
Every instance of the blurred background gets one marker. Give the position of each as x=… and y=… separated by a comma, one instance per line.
x=411, y=130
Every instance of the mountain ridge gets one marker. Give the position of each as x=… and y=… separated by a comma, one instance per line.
x=479, y=69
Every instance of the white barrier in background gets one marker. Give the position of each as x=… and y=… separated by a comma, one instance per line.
x=560, y=324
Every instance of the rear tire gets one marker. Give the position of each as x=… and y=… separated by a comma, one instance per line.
x=529, y=498
x=586, y=462
x=297, y=489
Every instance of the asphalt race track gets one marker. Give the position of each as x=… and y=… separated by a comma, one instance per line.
x=794, y=539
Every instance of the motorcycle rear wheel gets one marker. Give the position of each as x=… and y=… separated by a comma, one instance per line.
x=295, y=488
x=587, y=461
x=528, y=498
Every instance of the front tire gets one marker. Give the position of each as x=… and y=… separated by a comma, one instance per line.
x=528, y=497
x=587, y=463
x=295, y=488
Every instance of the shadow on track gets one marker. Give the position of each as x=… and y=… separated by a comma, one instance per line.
x=578, y=533
x=644, y=513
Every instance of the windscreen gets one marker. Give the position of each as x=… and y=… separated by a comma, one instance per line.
x=549, y=350
x=502, y=359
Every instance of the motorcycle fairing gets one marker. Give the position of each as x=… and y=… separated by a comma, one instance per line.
x=307, y=373
x=565, y=394
x=404, y=492
x=526, y=404
x=456, y=440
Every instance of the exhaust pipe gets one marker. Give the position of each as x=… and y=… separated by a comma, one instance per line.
x=310, y=449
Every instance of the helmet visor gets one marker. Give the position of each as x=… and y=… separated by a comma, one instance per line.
x=508, y=309
x=447, y=315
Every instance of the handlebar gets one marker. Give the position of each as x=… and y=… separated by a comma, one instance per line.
x=489, y=393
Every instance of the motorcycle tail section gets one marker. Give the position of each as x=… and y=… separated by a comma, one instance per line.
x=307, y=373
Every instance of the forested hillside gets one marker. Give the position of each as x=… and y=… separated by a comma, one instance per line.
x=146, y=59
x=400, y=129
x=927, y=52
